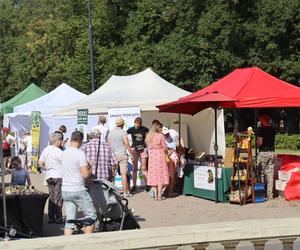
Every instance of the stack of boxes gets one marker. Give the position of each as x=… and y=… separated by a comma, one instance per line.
x=280, y=184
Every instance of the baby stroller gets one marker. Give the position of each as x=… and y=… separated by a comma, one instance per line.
x=113, y=213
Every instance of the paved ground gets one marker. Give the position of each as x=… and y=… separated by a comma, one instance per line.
x=187, y=210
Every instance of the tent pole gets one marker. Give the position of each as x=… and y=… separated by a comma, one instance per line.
x=3, y=171
x=237, y=154
x=91, y=41
x=256, y=130
x=179, y=126
x=216, y=155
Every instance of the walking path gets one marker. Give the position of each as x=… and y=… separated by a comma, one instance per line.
x=188, y=210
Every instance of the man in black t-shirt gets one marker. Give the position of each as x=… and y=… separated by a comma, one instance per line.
x=266, y=156
x=139, y=149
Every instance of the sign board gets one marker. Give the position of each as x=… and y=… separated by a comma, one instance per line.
x=36, y=129
x=128, y=115
x=82, y=122
x=204, y=177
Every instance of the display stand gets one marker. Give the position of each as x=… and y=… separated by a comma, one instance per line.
x=242, y=180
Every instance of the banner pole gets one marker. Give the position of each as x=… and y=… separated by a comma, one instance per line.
x=3, y=171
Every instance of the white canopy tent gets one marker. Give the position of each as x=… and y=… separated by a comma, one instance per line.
x=20, y=120
x=146, y=90
x=59, y=97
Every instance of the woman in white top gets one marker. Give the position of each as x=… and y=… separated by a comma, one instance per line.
x=50, y=161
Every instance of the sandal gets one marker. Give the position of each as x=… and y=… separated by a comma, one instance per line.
x=161, y=198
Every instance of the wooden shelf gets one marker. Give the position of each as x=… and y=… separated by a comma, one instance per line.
x=244, y=184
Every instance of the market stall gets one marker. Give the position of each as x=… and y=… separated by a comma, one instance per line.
x=20, y=121
x=250, y=88
x=199, y=182
x=25, y=209
x=146, y=90
x=28, y=94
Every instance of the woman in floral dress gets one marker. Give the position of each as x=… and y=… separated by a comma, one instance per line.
x=158, y=175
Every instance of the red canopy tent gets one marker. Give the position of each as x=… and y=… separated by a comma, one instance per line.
x=242, y=88
x=250, y=87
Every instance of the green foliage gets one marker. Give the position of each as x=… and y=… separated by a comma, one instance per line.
x=230, y=140
x=189, y=43
x=282, y=141
x=285, y=141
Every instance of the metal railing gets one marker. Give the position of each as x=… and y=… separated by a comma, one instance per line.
x=198, y=237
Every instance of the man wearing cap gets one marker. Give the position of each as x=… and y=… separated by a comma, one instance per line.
x=118, y=139
x=102, y=129
x=266, y=156
x=101, y=156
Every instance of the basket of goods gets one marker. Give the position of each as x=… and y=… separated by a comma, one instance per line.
x=21, y=190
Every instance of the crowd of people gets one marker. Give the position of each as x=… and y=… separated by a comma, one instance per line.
x=157, y=151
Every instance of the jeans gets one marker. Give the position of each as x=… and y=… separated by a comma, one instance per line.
x=81, y=200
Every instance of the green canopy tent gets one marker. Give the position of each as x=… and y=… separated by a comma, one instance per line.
x=30, y=93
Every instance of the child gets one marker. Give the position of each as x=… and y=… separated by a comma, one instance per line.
x=19, y=175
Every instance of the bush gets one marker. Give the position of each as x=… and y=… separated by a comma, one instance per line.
x=282, y=141
x=229, y=138
x=285, y=141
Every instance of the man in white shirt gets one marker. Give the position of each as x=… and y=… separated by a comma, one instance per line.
x=102, y=128
x=75, y=169
x=50, y=160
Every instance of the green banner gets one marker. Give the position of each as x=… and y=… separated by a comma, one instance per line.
x=35, y=128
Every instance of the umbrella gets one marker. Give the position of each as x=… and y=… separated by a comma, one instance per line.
x=192, y=105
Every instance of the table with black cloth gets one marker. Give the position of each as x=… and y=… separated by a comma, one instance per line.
x=25, y=212
x=223, y=184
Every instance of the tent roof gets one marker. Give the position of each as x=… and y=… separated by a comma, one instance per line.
x=253, y=88
x=194, y=105
x=59, y=97
x=145, y=89
x=28, y=94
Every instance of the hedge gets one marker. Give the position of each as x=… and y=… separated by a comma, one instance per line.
x=282, y=141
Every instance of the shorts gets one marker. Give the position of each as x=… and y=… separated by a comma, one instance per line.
x=139, y=154
x=81, y=200
x=6, y=153
x=123, y=164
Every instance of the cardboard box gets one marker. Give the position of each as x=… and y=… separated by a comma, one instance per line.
x=280, y=185
x=228, y=157
x=284, y=176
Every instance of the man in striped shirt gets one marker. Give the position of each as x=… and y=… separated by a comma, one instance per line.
x=105, y=167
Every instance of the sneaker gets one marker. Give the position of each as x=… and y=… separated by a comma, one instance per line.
x=128, y=194
x=51, y=221
x=151, y=193
x=59, y=221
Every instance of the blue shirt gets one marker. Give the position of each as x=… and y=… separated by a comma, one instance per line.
x=19, y=177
